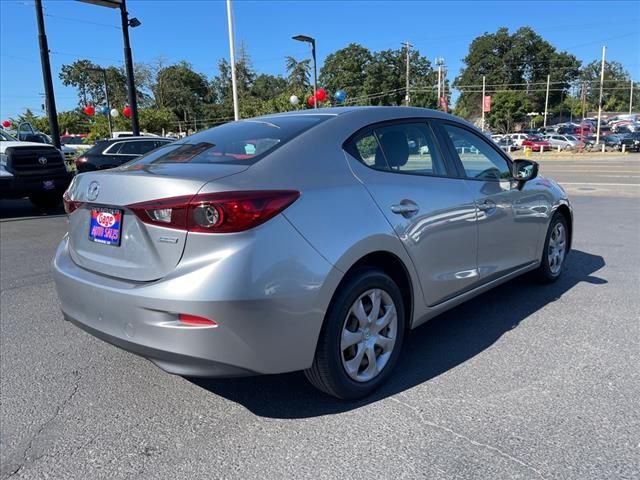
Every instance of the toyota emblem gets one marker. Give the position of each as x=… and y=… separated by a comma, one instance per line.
x=93, y=191
x=42, y=161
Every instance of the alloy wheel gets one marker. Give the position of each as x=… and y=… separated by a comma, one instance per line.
x=368, y=335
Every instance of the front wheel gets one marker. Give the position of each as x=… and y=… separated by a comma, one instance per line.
x=361, y=338
x=556, y=248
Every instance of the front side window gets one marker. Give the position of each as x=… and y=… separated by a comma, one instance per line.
x=478, y=159
x=404, y=147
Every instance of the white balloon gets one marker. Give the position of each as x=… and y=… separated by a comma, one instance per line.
x=294, y=100
x=114, y=112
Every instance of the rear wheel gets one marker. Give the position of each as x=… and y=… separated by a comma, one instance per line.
x=555, y=250
x=47, y=200
x=361, y=337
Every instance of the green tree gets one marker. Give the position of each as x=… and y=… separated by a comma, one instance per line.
x=616, y=86
x=298, y=73
x=88, y=80
x=181, y=90
x=39, y=123
x=518, y=61
x=385, y=81
x=507, y=108
x=346, y=69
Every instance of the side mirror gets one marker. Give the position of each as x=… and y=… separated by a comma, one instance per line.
x=524, y=170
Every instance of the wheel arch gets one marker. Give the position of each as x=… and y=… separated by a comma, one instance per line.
x=393, y=266
x=565, y=211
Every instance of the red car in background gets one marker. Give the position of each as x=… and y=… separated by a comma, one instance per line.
x=536, y=144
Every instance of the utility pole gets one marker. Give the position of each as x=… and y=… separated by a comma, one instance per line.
x=232, y=55
x=439, y=63
x=482, y=103
x=604, y=50
x=631, y=98
x=546, y=101
x=407, y=97
x=128, y=60
x=50, y=100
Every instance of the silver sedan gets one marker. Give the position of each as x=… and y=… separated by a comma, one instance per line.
x=311, y=240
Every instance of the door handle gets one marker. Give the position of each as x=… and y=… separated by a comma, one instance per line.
x=405, y=209
x=487, y=206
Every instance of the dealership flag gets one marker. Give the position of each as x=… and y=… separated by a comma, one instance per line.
x=443, y=104
x=486, y=105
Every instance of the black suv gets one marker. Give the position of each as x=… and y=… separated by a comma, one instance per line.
x=33, y=170
x=116, y=151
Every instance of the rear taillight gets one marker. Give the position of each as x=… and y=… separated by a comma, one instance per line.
x=70, y=206
x=80, y=160
x=226, y=212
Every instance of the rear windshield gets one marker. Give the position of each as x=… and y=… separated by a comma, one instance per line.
x=243, y=142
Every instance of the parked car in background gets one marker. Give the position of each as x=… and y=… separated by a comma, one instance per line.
x=507, y=144
x=32, y=169
x=632, y=141
x=318, y=252
x=112, y=153
x=565, y=142
x=76, y=143
x=518, y=138
x=536, y=143
x=496, y=137
x=548, y=130
x=130, y=134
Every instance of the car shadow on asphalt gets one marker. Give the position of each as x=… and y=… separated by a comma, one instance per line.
x=15, y=210
x=430, y=350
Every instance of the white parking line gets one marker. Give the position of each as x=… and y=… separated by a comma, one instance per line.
x=603, y=184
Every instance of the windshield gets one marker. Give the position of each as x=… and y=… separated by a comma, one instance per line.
x=5, y=137
x=571, y=138
x=243, y=142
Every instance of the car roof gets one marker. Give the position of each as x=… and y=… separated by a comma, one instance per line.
x=126, y=139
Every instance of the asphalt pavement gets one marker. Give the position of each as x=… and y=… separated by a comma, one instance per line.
x=526, y=381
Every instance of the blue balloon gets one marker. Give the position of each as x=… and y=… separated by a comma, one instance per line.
x=340, y=96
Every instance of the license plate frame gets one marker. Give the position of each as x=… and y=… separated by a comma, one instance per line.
x=105, y=226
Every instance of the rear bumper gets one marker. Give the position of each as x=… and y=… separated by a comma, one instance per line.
x=18, y=187
x=269, y=306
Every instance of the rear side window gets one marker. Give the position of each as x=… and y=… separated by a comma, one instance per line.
x=403, y=147
x=244, y=142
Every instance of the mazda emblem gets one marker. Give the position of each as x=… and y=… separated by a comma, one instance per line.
x=42, y=161
x=93, y=191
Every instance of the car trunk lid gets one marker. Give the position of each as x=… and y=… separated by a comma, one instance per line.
x=145, y=252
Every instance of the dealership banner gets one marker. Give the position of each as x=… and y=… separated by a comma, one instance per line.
x=486, y=104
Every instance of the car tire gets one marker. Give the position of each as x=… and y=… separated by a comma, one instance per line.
x=341, y=368
x=555, y=251
x=46, y=201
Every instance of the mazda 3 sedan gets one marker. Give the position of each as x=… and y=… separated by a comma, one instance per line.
x=310, y=240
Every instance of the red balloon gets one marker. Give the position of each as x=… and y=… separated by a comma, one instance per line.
x=89, y=110
x=311, y=101
x=321, y=94
x=6, y=124
x=126, y=111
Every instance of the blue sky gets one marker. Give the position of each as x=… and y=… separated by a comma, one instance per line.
x=196, y=31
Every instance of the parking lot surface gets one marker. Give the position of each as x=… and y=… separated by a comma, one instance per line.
x=526, y=381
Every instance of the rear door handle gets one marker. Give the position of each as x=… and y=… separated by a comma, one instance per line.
x=405, y=209
x=487, y=206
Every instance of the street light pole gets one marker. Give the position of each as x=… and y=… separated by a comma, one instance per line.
x=232, y=63
x=407, y=97
x=312, y=41
x=604, y=51
x=106, y=97
x=131, y=86
x=50, y=100
x=546, y=101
